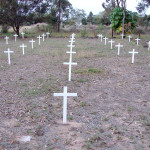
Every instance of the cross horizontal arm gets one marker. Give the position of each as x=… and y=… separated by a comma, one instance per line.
x=68, y=63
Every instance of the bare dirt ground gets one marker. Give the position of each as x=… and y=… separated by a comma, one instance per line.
x=111, y=112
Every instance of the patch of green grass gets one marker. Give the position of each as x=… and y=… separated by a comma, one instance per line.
x=70, y=117
x=106, y=119
x=82, y=80
x=82, y=104
x=88, y=71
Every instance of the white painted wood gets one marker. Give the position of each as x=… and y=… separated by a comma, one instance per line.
x=122, y=35
x=65, y=94
x=129, y=38
x=133, y=53
x=137, y=41
x=148, y=45
x=32, y=42
x=15, y=37
x=119, y=46
x=43, y=35
x=23, y=46
x=6, y=38
x=111, y=42
x=22, y=35
x=47, y=34
x=105, y=40
x=9, y=52
x=39, y=37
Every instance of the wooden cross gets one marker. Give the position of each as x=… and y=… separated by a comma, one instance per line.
x=148, y=45
x=15, y=37
x=133, y=53
x=70, y=63
x=9, y=52
x=137, y=40
x=101, y=36
x=119, y=46
x=111, y=42
x=39, y=37
x=105, y=40
x=6, y=38
x=47, y=34
x=22, y=35
x=65, y=94
x=122, y=35
x=23, y=46
x=32, y=41
x=43, y=35
x=130, y=38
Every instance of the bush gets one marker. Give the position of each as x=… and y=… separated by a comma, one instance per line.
x=4, y=29
x=83, y=33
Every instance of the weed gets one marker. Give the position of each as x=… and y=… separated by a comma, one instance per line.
x=82, y=104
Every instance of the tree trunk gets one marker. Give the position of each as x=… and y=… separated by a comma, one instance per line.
x=59, y=7
x=17, y=30
x=112, y=33
x=124, y=15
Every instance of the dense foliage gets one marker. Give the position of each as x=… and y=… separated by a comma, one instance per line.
x=116, y=17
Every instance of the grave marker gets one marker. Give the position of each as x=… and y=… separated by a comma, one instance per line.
x=122, y=35
x=137, y=40
x=9, y=52
x=43, y=35
x=111, y=42
x=47, y=33
x=39, y=37
x=129, y=38
x=15, y=37
x=148, y=45
x=6, y=38
x=105, y=40
x=65, y=94
x=119, y=46
x=22, y=35
x=23, y=46
x=32, y=42
x=133, y=53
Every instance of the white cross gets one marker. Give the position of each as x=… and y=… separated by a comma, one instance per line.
x=70, y=63
x=111, y=42
x=15, y=37
x=133, y=53
x=43, y=35
x=23, y=46
x=6, y=38
x=72, y=40
x=130, y=37
x=73, y=35
x=101, y=36
x=22, y=35
x=47, y=34
x=137, y=40
x=39, y=37
x=119, y=46
x=105, y=40
x=122, y=35
x=32, y=42
x=65, y=94
x=8, y=54
x=148, y=45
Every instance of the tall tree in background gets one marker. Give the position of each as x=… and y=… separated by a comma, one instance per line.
x=143, y=5
x=14, y=12
x=90, y=18
x=61, y=6
x=123, y=5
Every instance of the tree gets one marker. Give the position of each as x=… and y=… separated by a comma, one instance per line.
x=123, y=5
x=90, y=18
x=143, y=5
x=117, y=15
x=60, y=7
x=14, y=12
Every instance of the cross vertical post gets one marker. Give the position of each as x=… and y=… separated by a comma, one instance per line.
x=9, y=52
x=133, y=53
x=65, y=94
